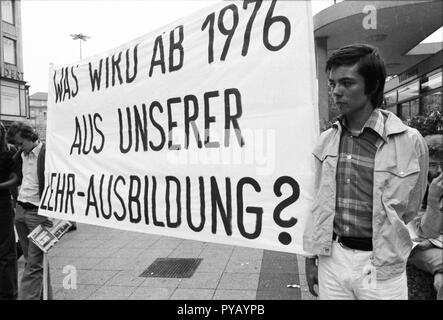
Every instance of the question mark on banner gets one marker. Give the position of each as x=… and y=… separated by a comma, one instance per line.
x=284, y=237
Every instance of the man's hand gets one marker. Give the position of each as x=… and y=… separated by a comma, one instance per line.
x=48, y=223
x=436, y=190
x=311, y=274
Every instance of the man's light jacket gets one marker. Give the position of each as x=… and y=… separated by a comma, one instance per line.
x=400, y=172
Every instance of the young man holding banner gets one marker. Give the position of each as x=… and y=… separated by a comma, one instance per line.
x=370, y=179
x=31, y=155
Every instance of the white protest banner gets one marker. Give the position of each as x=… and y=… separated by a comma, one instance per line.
x=201, y=130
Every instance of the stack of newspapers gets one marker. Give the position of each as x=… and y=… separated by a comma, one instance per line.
x=46, y=237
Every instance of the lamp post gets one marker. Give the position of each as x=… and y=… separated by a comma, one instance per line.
x=81, y=37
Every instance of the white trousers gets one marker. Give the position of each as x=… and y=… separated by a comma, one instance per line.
x=347, y=275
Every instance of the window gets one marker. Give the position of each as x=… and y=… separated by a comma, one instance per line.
x=9, y=101
x=432, y=102
x=408, y=91
x=9, y=50
x=418, y=97
x=391, y=97
x=409, y=109
x=431, y=81
x=392, y=108
x=7, y=11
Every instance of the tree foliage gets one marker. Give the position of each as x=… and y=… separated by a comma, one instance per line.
x=431, y=123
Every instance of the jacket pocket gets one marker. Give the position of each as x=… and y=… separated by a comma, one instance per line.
x=323, y=152
x=397, y=185
x=397, y=181
x=327, y=171
x=323, y=208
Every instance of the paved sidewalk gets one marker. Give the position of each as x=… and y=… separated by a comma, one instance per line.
x=109, y=263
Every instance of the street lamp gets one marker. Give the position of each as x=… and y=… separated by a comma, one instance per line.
x=81, y=37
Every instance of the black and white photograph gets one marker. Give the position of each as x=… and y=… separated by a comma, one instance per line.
x=225, y=157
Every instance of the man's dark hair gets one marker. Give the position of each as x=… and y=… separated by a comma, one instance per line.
x=370, y=66
x=25, y=131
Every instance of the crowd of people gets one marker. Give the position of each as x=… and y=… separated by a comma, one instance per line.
x=378, y=199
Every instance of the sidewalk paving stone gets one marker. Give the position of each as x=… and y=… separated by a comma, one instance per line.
x=157, y=253
x=87, y=236
x=234, y=295
x=192, y=294
x=129, y=278
x=212, y=265
x=165, y=242
x=278, y=281
x=192, y=245
x=243, y=266
x=112, y=244
x=141, y=244
x=216, y=255
x=76, y=243
x=190, y=253
x=119, y=264
x=161, y=282
x=278, y=295
x=301, y=265
x=100, y=237
x=247, y=253
x=129, y=253
x=57, y=278
x=65, y=251
x=78, y=263
x=141, y=263
x=280, y=265
x=82, y=292
x=201, y=280
x=126, y=236
x=239, y=281
x=112, y=293
x=220, y=247
x=146, y=293
x=98, y=277
x=100, y=252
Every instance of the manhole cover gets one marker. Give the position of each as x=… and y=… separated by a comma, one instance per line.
x=171, y=268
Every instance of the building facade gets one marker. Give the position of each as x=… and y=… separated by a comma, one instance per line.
x=14, y=93
x=38, y=105
x=418, y=90
x=397, y=28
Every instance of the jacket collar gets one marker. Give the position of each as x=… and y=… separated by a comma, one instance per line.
x=393, y=124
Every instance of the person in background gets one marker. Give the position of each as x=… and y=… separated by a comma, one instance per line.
x=9, y=179
x=14, y=193
x=427, y=255
x=31, y=157
x=370, y=178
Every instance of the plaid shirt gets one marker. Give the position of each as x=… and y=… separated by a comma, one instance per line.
x=355, y=177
